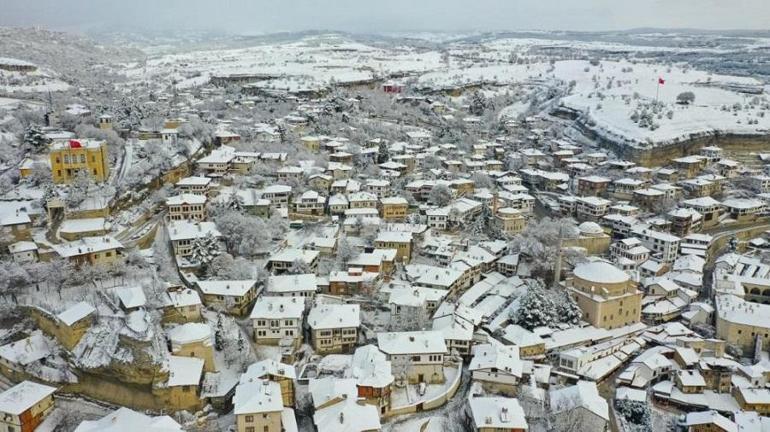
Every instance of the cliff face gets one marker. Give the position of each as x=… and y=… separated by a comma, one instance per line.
x=730, y=143
x=664, y=154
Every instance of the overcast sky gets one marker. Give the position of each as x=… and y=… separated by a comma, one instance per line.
x=266, y=16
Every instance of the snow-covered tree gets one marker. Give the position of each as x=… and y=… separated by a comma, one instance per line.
x=383, y=154
x=34, y=138
x=478, y=103
x=225, y=267
x=218, y=334
x=685, y=98
x=539, y=241
x=205, y=249
x=637, y=415
x=440, y=195
x=41, y=174
x=244, y=234
x=345, y=252
x=80, y=186
x=485, y=224
x=299, y=267
x=567, y=309
x=234, y=202
x=481, y=180
x=535, y=309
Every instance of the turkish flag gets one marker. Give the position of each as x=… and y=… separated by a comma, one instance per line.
x=75, y=144
x=661, y=81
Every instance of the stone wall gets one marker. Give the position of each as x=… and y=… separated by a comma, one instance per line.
x=663, y=154
x=51, y=325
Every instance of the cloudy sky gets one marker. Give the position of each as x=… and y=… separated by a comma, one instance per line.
x=265, y=16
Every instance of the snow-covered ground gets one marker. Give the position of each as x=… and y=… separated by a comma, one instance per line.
x=609, y=92
x=310, y=63
x=30, y=82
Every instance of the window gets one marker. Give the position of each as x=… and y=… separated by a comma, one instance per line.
x=415, y=358
x=250, y=429
x=249, y=419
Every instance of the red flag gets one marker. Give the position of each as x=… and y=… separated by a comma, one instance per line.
x=75, y=144
x=661, y=81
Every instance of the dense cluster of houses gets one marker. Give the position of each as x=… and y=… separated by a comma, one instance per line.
x=672, y=284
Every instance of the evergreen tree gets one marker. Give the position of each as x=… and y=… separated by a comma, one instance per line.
x=535, y=309
x=205, y=249
x=34, y=138
x=567, y=309
x=234, y=202
x=383, y=154
x=218, y=341
x=478, y=104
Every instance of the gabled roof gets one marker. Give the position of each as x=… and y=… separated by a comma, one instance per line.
x=23, y=396
x=582, y=395
x=128, y=420
x=331, y=316
x=261, y=369
x=414, y=342
x=258, y=396
x=503, y=358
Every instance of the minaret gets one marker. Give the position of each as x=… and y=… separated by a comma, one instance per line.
x=557, y=266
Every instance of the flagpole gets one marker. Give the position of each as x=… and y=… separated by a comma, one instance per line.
x=657, y=92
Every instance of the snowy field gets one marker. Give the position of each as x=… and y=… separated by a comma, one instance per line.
x=38, y=81
x=607, y=93
x=309, y=63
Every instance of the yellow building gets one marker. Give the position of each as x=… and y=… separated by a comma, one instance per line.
x=184, y=305
x=258, y=406
x=393, y=208
x=753, y=399
x=312, y=143
x=193, y=340
x=511, y=220
x=67, y=158
x=74, y=323
x=741, y=322
x=606, y=295
x=25, y=406
x=592, y=238
x=401, y=241
x=181, y=390
x=277, y=372
x=91, y=250
x=334, y=327
x=105, y=122
x=530, y=345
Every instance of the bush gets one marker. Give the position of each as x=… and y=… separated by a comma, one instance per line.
x=685, y=98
